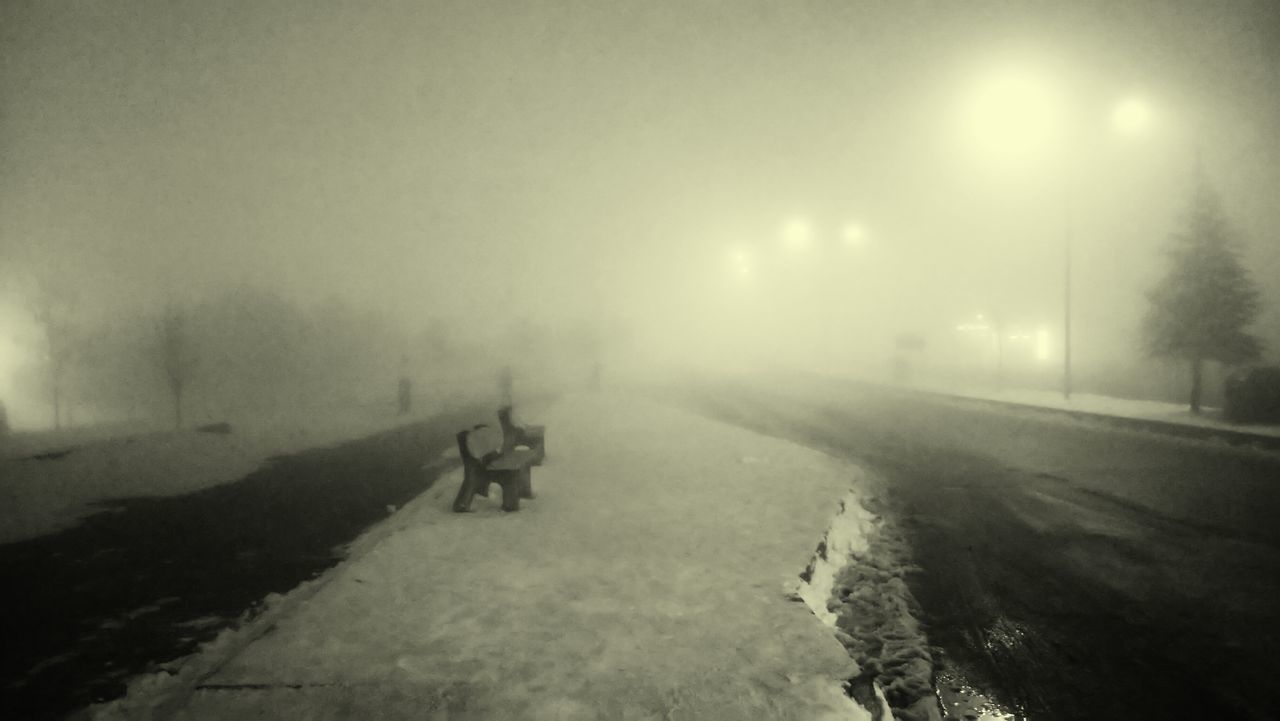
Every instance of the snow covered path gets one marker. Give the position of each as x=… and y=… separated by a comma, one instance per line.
x=648, y=580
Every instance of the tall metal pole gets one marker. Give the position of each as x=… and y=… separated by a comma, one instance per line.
x=1066, y=301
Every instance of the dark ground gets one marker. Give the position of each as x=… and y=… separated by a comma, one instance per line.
x=1067, y=569
x=1071, y=570
x=149, y=580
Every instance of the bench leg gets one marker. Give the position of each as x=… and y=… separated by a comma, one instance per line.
x=482, y=487
x=466, y=493
x=511, y=494
x=526, y=482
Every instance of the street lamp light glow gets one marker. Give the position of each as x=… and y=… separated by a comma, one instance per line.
x=1131, y=116
x=797, y=233
x=1042, y=344
x=1014, y=114
x=853, y=234
x=1016, y=117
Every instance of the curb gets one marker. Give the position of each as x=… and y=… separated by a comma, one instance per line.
x=1203, y=433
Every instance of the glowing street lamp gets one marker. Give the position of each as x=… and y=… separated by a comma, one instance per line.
x=1131, y=116
x=1014, y=115
x=797, y=233
x=853, y=234
x=741, y=263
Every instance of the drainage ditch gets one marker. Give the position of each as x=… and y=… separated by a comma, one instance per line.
x=855, y=584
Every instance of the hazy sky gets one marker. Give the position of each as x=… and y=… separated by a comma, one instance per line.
x=571, y=156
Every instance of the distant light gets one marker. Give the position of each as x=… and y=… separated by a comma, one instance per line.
x=10, y=360
x=797, y=233
x=1131, y=116
x=1042, y=344
x=14, y=323
x=853, y=234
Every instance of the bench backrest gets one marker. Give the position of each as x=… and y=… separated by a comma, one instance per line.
x=475, y=444
x=509, y=432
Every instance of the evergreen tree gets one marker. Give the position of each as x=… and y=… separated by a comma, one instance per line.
x=1200, y=310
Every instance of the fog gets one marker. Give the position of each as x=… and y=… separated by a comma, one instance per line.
x=349, y=192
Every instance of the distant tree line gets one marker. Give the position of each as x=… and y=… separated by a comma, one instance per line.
x=244, y=350
x=250, y=349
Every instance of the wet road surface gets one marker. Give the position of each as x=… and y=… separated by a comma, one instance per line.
x=1067, y=569
x=146, y=582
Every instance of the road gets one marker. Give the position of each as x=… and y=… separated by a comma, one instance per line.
x=1068, y=570
x=130, y=589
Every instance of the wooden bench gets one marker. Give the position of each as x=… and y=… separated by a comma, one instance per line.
x=532, y=437
x=485, y=460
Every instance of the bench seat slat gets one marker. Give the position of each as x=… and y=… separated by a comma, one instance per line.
x=512, y=460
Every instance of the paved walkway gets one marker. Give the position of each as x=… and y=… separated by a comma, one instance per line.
x=646, y=581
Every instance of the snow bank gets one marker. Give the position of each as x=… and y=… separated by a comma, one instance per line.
x=642, y=583
x=39, y=496
x=855, y=584
x=1108, y=406
x=846, y=538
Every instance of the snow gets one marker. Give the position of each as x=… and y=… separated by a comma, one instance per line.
x=846, y=538
x=120, y=461
x=647, y=580
x=1108, y=406
x=855, y=584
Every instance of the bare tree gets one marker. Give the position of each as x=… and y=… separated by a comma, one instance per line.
x=52, y=307
x=177, y=359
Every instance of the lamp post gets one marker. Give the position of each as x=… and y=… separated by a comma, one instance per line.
x=1066, y=298
x=1014, y=115
x=1130, y=116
